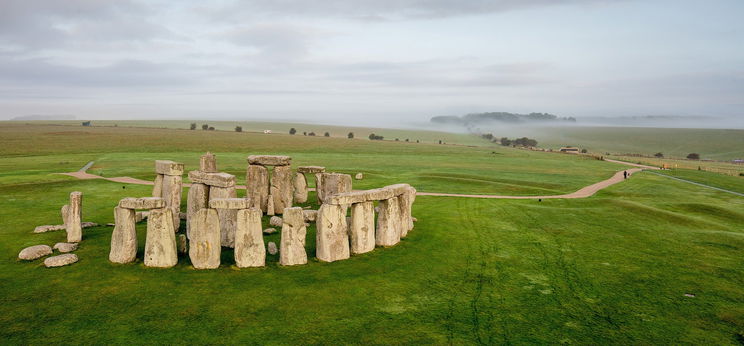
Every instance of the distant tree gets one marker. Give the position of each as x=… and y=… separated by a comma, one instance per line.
x=86, y=123
x=659, y=155
x=505, y=141
x=311, y=134
x=488, y=136
x=193, y=126
x=371, y=136
x=238, y=129
x=440, y=141
x=417, y=141
x=375, y=137
x=406, y=139
x=693, y=156
x=211, y=128
x=327, y=134
x=304, y=133
x=292, y=131
x=205, y=127
x=584, y=151
x=397, y=140
x=350, y=135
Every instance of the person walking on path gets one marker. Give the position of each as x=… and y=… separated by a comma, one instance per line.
x=625, y=174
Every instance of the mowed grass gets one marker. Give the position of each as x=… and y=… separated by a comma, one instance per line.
x=611, y=269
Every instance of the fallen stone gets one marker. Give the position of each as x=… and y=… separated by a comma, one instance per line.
x=310, y=169
x=281, y=188
x=329, y=184
x=182, y=244
x=269, y=160
x=229, y=203
x=60, y=260
x=257, y=186
x=300, y=188
x=65, y=247
x=73, y=223
x=48, y=228
x=34, y=252
x=359, y=176
x=142, y=203
x=208, y=163
x=88, y=224
x=414, y=219
x=331, y=240
x=249, y=244
x=157, y=187
x=228, y=217
x=167, y=167
x=110, y=224
x=212, y=179
x=272, y=248
x=275, y=221
x=198, y=198
x=292, y=251
x=388, y=223
x=362, y=230
x=269, y=231
x=172, y=189
x=204, y=244
x=310, y=215
x=160, y=242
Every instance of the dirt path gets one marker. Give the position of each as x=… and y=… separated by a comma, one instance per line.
x=584, y=192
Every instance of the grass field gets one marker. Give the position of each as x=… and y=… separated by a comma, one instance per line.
x=610, y=269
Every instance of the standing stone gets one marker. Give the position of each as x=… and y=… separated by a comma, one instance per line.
x=281, y=188
x=182, y=244
x=272, y=248
x=249, y=244
x=331, y=240
x=332, y=183
x=270, y=206
x=65, y=212
x=300, y=188
x=359, y=176
x=208, y=163
x=404, y=210
x=228, y=217
x=388, y=223
x=172, y=187
x=198, y=198
x=124, y=236
x=257, y=186
x=157, y=188
x=362, y=227
x=74, y=218
x=292, y=245
x=160, y=243
x=204, y=244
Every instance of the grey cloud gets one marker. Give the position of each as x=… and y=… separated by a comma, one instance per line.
x=272, y=42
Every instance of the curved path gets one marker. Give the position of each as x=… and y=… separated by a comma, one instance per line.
x=584, y=192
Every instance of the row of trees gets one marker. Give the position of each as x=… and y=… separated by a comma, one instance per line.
x=690, y=156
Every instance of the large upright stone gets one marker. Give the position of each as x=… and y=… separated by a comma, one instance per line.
x=405, y=202
x=168, y=167
x=160, y=243
x=65, y=213
x=249, y=243
x=172, y=187
x=204, y=244
x=228, y=217
x=292, y=246
x=281, y=188
x=362, y=227
x=269, y=160
x=73, y=224
x=257, y=186
x=300, y=188
x=212, y=179
x=331, y=183
x=198, y=198
x=388, y=223
x=157, y=187
x=124, y=236
x=208, y=163
x=331, y=240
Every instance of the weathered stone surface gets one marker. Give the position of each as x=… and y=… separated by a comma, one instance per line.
x=331, y=241
x=182, y=243
x=140, y=215
x=269, y=231
x=65, y=247
x=172, y=188
x=48, y=228
x=142, y=203
x=269, y=160
x=198, y=198
x=257, y=186
x=228, y=217
x=362, y=232
x=61, y=260
x=157, y=187
x=329, y=184
x=300, y=188
x=379, y=194
x=310, y=169
x=249, y=244
x=281, y=188
x=292, y=245
x=359, y=176
x=65, y=212
x=168, y=167
x=388, y=223
x=208, y=163
x=160, y=243
x=414, y=219
x=270, y=205
x=229, y=203
x=405, y=202
x=272, y=248
x=182, y=216
x=212, y=179
x=310, y=215
x=275, y=221
x=204, y=241
x=124, y=236
x=33, y=252
x=88, y=224
x=73, y=223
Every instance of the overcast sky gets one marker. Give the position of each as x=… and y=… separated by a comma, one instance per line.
x=371, y=61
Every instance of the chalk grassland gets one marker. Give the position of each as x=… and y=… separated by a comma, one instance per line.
x=719, y=167
x=611, y=269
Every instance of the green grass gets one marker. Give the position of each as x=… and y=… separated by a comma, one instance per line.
x=611, y=269
x=733, y=183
